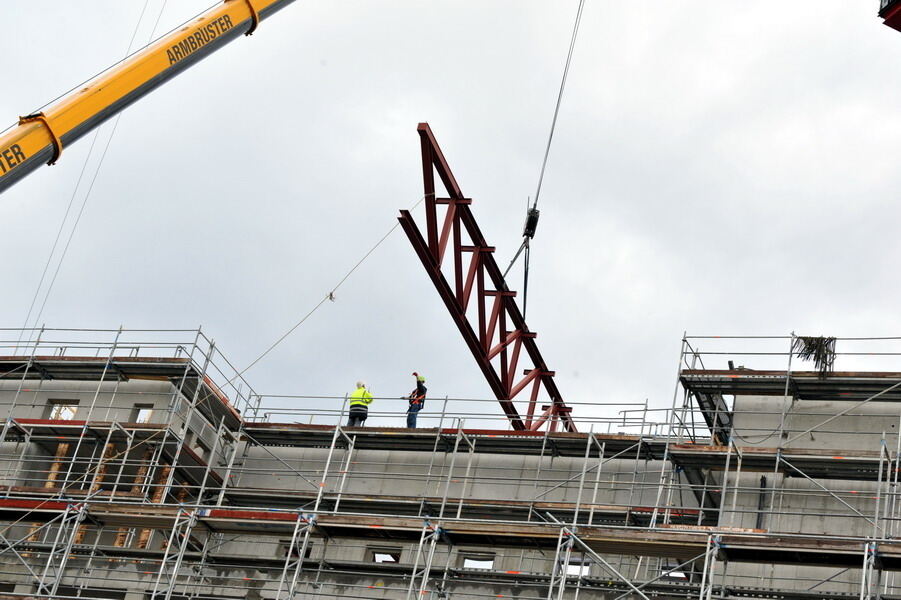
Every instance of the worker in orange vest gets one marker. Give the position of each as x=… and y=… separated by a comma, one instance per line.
x=416, y=399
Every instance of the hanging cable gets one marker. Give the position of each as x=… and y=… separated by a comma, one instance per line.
x=532, y=212
x=550, y=137
x=528, y=232
x=78, y=184
x=84, y=166
x=59, y=233
x=329, y=296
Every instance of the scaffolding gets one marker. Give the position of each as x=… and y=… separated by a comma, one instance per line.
x=140, y=465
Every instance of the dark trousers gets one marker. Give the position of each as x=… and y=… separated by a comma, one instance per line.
x=358, y=416
x=411, y=418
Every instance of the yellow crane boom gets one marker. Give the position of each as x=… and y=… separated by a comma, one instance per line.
x=40, y=138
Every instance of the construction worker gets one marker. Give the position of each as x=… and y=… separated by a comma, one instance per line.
x=359, y=405
x=417, y=400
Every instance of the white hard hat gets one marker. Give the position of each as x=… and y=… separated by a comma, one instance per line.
x=361, y=384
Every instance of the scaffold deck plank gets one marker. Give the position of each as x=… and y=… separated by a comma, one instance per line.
x=672, y=543
x=804, y=385
x=818, y=463
x=663, y=589
x=487, y=441
x=858, y=465
x=476, y=508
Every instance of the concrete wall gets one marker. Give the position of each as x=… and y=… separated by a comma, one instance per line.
x=757, y=423
x=490, y=476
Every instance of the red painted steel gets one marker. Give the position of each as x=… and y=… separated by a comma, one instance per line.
x=500, y=334
x=891, y=15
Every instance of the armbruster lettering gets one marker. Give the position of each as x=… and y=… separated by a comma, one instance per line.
x=10, y=158
x=193, y=42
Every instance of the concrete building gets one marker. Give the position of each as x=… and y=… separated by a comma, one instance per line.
x=141, y=466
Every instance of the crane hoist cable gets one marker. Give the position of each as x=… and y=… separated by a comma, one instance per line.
x=528, y=232
x=550, y=137
x=532, y=213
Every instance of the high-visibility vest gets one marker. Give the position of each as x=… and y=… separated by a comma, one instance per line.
x=360, y=397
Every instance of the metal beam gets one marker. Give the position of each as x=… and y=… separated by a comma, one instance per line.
x=499, y=333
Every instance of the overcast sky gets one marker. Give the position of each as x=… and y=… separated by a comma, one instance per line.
x=725, y=168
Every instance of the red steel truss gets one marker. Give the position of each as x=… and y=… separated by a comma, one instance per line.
x=498, y=334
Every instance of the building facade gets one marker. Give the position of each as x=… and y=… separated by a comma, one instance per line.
x=136, y=469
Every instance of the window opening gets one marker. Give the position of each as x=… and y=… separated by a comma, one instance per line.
x=142, y=413
x=286, y=545
x=478, y=561
x=678, y=574
x=384, y=555
x=578, y=566
x=63, y=410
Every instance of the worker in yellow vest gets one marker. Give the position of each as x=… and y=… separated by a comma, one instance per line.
x=359, y=405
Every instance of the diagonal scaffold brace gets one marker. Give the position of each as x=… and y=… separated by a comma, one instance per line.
x=296, y=553
x=58, y=557
x=429, y=537
x=479, y=300
x=170, y=569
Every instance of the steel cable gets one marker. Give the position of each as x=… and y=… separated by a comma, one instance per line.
x=329, y=296
x=547, y=151
x=90, y=187
x=550, y=138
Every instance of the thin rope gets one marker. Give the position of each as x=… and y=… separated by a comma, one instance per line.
x=550, y=138
x=515, y=256
x=134, y=34
x=329, y=296
x=525, y=280
x=157, y=23
x=84, y=167
x=77, y=221
x=10, y=128
x=126, y=57
x=59, y=234
x=90, y=187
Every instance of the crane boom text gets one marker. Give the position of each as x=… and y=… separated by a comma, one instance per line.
x=11, y=157
x=197, y=40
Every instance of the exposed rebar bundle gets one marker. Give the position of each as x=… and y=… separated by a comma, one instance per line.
x=821, y=350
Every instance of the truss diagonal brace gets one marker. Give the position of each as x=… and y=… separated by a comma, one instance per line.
x=469, y=335
x=499, y=332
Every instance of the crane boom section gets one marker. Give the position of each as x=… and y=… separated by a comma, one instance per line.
x=40, y=139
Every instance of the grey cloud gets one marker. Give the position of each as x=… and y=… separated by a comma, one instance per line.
x=703, y=150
